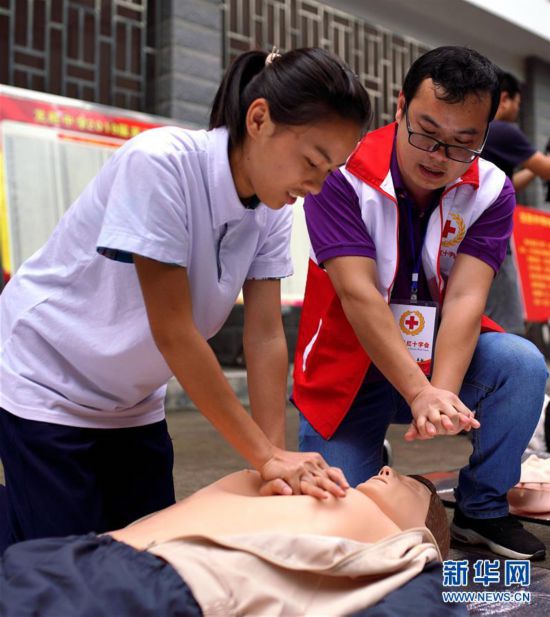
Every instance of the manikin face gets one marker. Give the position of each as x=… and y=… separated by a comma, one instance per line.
x=462, y=124
x=404, y=500
x=282, y=163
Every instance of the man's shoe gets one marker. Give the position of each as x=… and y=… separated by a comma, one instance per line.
x=504, y=535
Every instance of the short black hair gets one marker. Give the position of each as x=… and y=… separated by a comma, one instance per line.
x=458, y=71
x=509, y=84
x=301, y=86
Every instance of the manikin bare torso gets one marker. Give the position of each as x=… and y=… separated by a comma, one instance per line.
x=232, y=505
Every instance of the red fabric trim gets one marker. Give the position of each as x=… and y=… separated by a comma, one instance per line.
x=371, y=159
x=488, y=325
x=336, y=364
x=440, y=283
x=471, y=176
x=425, y=366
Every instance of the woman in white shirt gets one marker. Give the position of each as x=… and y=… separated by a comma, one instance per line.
x=143, y=268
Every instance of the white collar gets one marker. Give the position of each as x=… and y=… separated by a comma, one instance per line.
x=225, y=203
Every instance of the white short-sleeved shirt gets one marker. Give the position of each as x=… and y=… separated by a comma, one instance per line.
x=75, y=341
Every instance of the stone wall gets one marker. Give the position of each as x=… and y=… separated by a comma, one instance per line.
x=189, y=59
x=536, y=114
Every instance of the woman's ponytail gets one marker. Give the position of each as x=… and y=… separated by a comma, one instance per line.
x=301, y=86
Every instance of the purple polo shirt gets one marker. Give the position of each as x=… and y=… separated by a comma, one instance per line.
x=336, y=229
x=410, y=240
x=506, y=146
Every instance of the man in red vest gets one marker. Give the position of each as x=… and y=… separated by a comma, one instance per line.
x=406, y=239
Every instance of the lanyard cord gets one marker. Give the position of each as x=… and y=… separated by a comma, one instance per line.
x=417, y=259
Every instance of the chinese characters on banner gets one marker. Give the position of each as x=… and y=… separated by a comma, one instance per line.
x=64, y=143
x=532, y=251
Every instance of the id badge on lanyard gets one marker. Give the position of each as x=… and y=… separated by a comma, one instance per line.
x=417, y=321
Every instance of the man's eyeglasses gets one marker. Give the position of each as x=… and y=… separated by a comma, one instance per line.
x=431, y=144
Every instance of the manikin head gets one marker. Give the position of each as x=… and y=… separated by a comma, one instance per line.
x=510, y=98
x=450, y=94
x=291, y=120
x=409, y=501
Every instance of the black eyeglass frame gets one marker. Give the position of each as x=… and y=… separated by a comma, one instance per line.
x=441, y=144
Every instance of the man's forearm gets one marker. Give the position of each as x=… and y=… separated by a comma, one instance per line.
x=267, y=371
x=375, y=327
x=456, y=342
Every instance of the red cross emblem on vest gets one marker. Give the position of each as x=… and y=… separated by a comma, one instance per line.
x=411, y=323
x=448, y=229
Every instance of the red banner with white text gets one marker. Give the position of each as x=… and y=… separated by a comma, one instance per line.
x=532, y=251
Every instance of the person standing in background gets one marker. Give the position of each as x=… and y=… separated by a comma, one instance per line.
x=508, y=148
